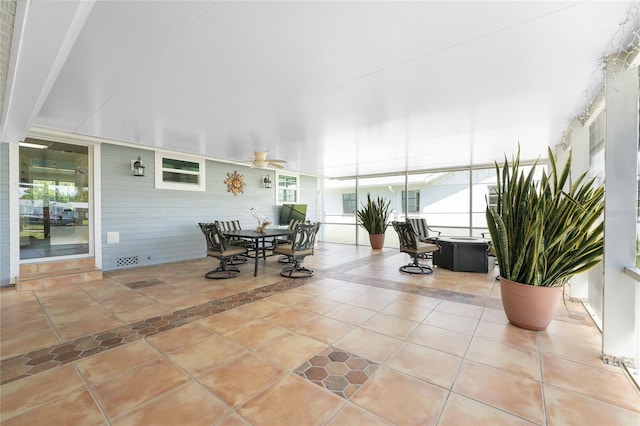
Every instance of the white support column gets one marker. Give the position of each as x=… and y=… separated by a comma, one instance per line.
x=621, y=152
x=579, y=288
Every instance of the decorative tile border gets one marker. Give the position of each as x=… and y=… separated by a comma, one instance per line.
x=337, y=371
x=34, y=362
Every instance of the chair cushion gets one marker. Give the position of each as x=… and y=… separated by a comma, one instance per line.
x=287, y=250
x=230, y=251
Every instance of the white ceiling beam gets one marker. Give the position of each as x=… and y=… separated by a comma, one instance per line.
x=44, y=34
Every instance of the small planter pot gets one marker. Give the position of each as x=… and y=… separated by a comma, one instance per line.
x=527, y=306
x=376, y=240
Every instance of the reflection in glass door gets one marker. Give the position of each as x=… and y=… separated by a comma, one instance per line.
x=54, y=199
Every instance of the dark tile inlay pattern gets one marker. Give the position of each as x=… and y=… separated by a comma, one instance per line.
x=337, y=371
x=142, y=284
x=33, y=362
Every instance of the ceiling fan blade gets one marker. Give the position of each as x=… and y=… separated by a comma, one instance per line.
x=276, y=165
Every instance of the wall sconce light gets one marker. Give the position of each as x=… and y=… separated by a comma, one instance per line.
x=137, y=167
x=267, y=182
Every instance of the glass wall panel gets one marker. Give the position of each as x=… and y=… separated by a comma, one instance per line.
x=444, y=200
x=339, y=223
x=390, y=188
x=54, y=199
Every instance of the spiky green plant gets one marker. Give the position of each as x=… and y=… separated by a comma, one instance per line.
x=545, y=232
x=374, y=215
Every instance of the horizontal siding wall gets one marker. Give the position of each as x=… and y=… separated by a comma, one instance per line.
x=4, y=215
x=159, y=225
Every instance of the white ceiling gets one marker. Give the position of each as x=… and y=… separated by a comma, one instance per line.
x=335, y=88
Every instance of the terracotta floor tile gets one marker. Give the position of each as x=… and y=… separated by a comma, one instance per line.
x=407, y=311
x=27, y=341
x=261, y=308
x=233, y=420
x=421, y=301
x=291, y=297
x=289, y=317
x=350, y=314
x=290, y=350
x=144, y=312
x=462, y=309
x=390, y=325
x=507, y=334
x=461, y=410
x=375, y=302
x=226, y=321
x=239, y=380
x=21, y=396
x=103, y=366
x=448, y=341
x=317, y=305
x=324, y=329
x=452, y=322
x=369, y=344
x=427, y=364
x=202, y=357
x=338, y=295
x=505, y=357
x=179, y=338
x=305, y=404
x=494, y=315
x=510, y=392
x=189, y=404
x=395, y=397
x=255, y=333
x=351, y=415
x=566, y=407
x=613, y=388
x=573, y=350
x=138, y=386
x=77, y=408
x=83, y=327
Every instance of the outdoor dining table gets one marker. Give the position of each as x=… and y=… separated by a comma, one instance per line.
x=259, y=240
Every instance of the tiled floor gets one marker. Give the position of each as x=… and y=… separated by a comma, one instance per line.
x=357, y=344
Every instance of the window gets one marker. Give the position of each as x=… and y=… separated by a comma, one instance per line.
x=349, y=203
x=180, y=172
x=414, y=202
x=287, y=190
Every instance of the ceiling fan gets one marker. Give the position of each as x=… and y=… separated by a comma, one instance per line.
x=260, y=161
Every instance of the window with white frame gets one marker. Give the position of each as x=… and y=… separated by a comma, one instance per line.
x=287, y=190
x=181, y=172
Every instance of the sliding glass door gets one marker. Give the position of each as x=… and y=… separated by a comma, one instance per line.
x=54, y=199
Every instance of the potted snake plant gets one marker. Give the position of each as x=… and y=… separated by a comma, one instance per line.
x=374, y=218
x=543, y=233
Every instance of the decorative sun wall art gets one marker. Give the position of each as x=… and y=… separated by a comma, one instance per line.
x=235, y=183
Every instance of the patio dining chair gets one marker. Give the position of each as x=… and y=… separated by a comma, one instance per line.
x=220, y=247
x=410, y=244
x=302, y=245
x=293, y=223
x=234, y=225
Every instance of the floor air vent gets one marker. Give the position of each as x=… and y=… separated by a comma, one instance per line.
x=126, y=261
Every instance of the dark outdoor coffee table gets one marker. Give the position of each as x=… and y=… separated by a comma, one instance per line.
x=463, y=254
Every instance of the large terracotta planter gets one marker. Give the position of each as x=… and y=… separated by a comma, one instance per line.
x=527, y=306
x=376, y=240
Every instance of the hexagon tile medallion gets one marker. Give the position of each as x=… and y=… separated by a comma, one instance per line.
x=337, y=371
